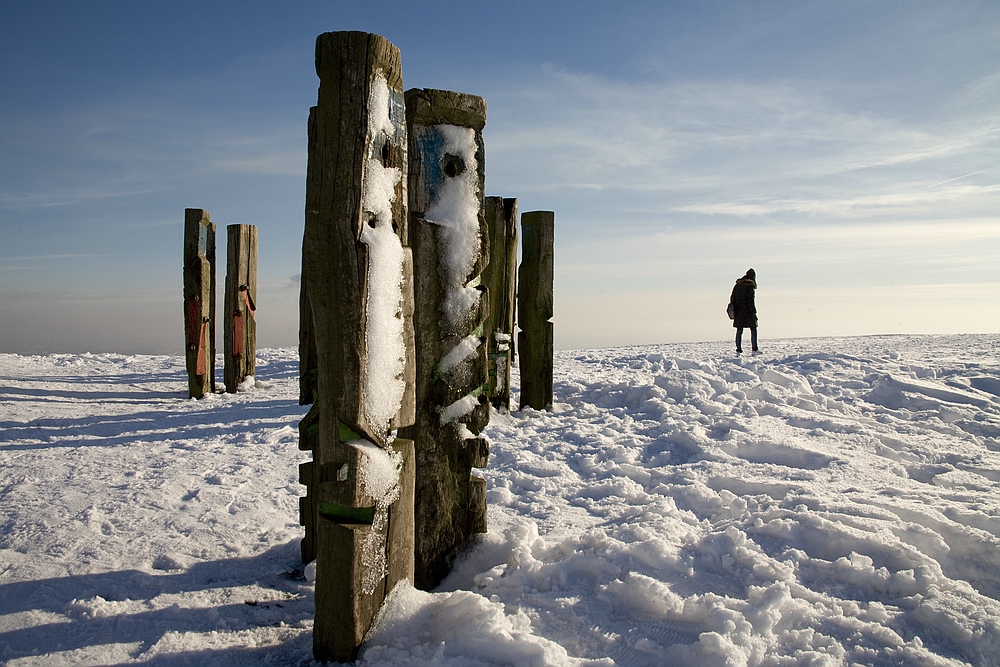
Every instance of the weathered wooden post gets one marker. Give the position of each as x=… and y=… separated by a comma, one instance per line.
x=356, y=273
x=534, y=309
x=500, y=279
x=240, y=329
x=450, y=249
x=307, y=342
x=199, y=301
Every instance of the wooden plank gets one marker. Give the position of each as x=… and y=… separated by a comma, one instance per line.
x=199, y=301
x=534, y=309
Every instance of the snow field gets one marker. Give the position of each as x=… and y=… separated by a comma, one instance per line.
x=832, y=502
x=139, y=525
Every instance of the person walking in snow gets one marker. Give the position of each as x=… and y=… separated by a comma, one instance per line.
x=744, y=310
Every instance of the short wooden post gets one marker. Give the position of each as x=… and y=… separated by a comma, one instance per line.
x=357, y=298
x=450, y=249
x=500, y=279
x=199, y=301
x=534, y=309
x=240, y=328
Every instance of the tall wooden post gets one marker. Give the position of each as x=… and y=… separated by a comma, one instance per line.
x=450, y=247
x=356, y=272
x=534, y=309
x=500, y=279
x=240, y=328
x=199, y=301
x=308, y=372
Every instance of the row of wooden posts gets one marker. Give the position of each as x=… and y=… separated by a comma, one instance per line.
x=406, y=334
x=239, y=328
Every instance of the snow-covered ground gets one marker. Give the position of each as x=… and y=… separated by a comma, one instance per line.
x=834, y=501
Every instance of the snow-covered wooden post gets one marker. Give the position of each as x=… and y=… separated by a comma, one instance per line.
x=239, y=304
x=534, y=309
x=450, y=248
x=356, y=273
x=199, y=301
x=500, y=278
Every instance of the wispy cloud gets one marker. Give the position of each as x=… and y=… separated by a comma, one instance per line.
x=108, y=152
x=738, y=149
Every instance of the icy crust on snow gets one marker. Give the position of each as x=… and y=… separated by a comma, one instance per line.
x=677, y=506
x=384, y=341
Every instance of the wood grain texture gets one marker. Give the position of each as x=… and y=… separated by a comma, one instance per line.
x=199, y=301
x=534, y=309
x=445, y=518
x=500, y=279
x=239, y=319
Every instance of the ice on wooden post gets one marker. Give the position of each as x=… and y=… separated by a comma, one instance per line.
x=450, y=248
x=199, y=301
x=500, y=279
x=534, y=309
x=239, y=304
x=356, y=340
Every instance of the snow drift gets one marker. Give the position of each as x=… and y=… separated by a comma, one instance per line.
x=836, y=501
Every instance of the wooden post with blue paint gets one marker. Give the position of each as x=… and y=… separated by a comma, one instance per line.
x=199, y=301
x=450, y=249
x=357, y=294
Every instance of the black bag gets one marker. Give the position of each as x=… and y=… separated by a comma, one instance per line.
x=730, y=311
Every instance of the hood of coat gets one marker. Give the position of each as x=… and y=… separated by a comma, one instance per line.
x=747, y=281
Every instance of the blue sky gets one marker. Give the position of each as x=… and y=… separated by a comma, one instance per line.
x=848, y=151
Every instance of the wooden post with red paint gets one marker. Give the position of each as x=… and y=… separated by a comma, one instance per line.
x=240, y=328
x=199, y=301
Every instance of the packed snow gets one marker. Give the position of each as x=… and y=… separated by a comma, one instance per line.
x=831, y=502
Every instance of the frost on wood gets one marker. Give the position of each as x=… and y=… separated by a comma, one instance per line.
x=385, y=346
x=465, y=349
x=456, y=209
x=378, y=476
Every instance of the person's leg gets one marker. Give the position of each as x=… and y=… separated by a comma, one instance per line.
x=739, y=340
x=753, y=338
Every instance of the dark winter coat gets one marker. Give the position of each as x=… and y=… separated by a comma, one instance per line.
x=744, y=309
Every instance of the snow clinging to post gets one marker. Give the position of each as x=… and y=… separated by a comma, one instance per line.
x=385, y=360
x=455, y=210
x=378, y=475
